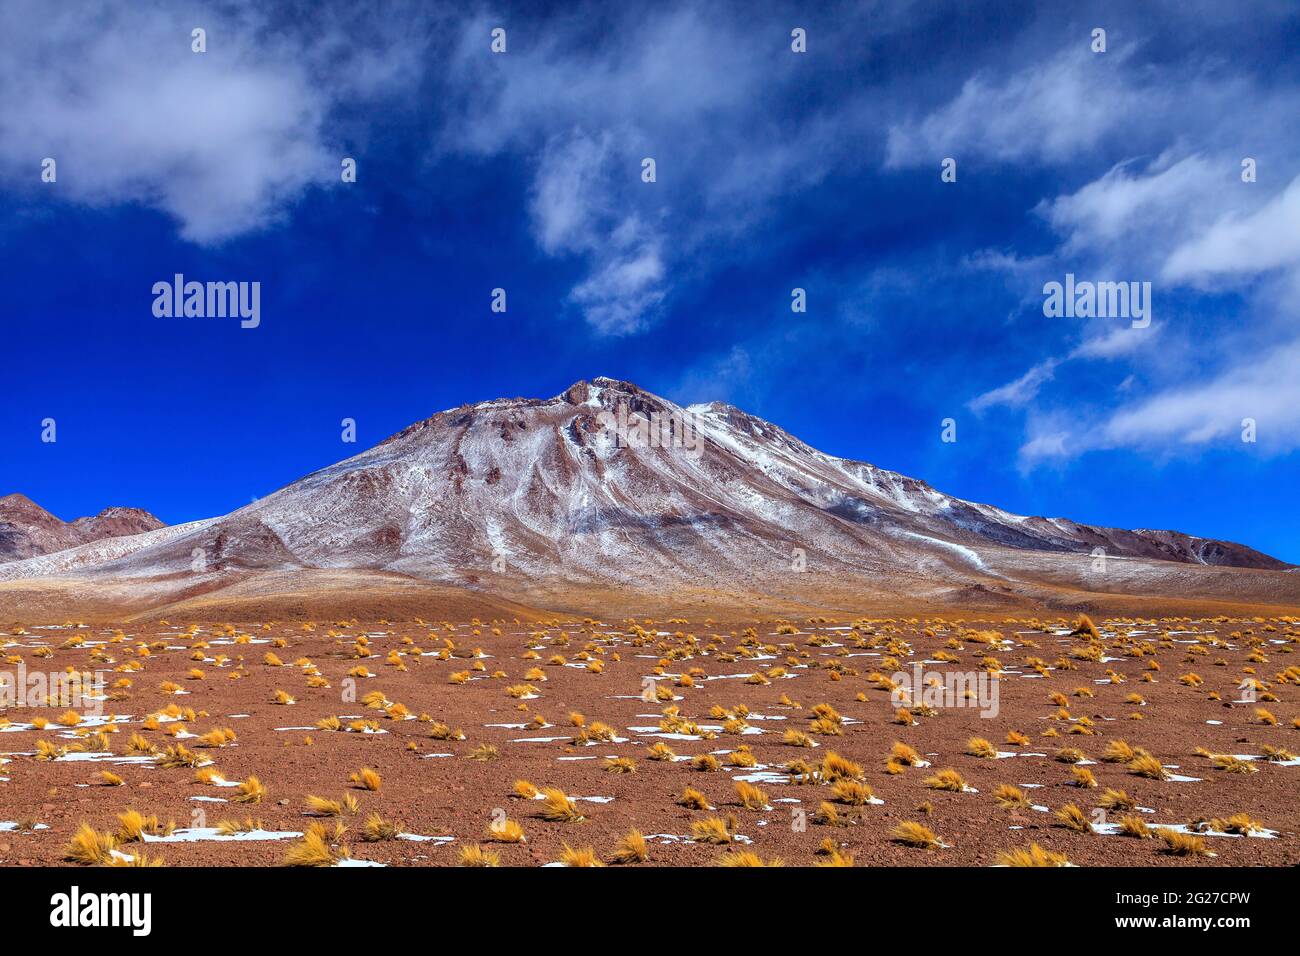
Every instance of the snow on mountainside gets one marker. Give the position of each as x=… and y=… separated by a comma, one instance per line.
x=538, y=490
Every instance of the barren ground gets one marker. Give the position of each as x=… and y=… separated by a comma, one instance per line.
x=435, y=787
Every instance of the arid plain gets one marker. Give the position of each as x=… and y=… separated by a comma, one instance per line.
x=671, y=742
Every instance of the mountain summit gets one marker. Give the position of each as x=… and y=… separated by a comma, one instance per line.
x=609, y=488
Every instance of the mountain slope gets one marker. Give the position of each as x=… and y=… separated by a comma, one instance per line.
x=28, y=530
x=532, y=498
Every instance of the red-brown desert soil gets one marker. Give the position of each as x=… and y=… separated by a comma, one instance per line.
x=748, y=684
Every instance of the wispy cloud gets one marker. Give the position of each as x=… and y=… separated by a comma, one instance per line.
x=1050, y=112
x=221, y=141
x=1261, y=388
x=1018, y=392
x=1243, y=245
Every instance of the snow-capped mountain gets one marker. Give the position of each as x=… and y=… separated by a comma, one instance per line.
x=519, y=495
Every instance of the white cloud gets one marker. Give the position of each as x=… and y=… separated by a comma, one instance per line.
x=698, y=92
x=1019, y=392
x=1120, y=341
x=619, y=297
x=1050, y=111
x=1263, y=388
x=574, y=212
x=221, y=141
x=1124, y=207
x=1243, y=245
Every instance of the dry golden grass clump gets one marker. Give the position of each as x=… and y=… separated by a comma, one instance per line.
x=1009, y=797
x=133, y=826
x=949, y=780
x=1118, y=751
x=714, y=830
x=901, y=753
x=366, y=779
x=473, y=855
x=620, y=765
x=558, y=808
x=1035, y=855
x=1083, y=777
x=231, y=827
x=322, y=807
x=90, y=847
x=1232, y=764
x=852, y=792
x=1183, y=844
x=660, y=751
x=506, y=831
x=1072, y=818
x=979, y=747
x=1117, y=800
x=915, y=834
x=316, y=848
x=751, y=797
x=746, y=858
x=1084, y=627
x=631, y=848
x=581, y=856
x=706, y=763
x=1132, y=825
x=377, y=829
x=694, y=800
x=1239, y=823
x=1145, y=765
x=251, y=790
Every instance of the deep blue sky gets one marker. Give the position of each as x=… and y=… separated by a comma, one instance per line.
x=775, y=170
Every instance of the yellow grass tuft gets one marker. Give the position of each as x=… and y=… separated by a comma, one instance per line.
x=1145, y=765
x=1010, y=797
x=695, y=800
x=902, y=753
x=949, y=780
x=746, y=858
x=1118, y=751
x=1072, y=818
x=1232, y=764
x=582, y=856
x=366, y=779
x=1035, y=855
x=506, y=831
x=751, y=797
x=90, y=847
x=251, y=790
x=1083, y=777
x=834, y=767
x=473, y=855
x=711, y=830
x=1183, y=844
x=660, y=751
x=1132, y=825
x=911, y=833
x=558, y=808
x=853, y=792
x=313, y=849
x=1117, y=800
x=631, y=848
x=377, y=829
